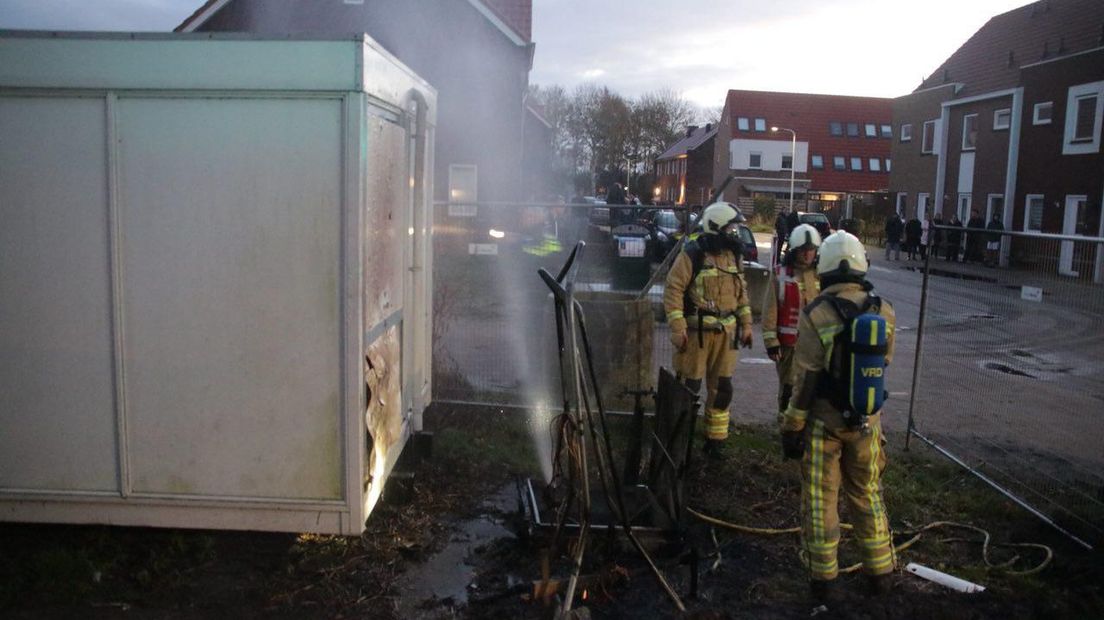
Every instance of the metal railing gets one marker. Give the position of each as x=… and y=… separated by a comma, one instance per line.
x=1009, y=370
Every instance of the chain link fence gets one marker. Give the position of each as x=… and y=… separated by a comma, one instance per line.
x=494, y=326
x=1009, y=375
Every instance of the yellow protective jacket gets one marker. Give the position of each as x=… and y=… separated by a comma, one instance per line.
x=807, y=283
x=719, y=288
x=816, y=332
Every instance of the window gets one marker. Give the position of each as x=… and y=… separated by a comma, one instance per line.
x=887, y=131
x=889, y=165
x=760, y=124
x=1033, y=213
x=463, y=183
x=906, y=132
x=755, y=161
x=742, y=124
x=969, y=132
x=927, y=144
x=871, y=130
x=835, y=128
x=853, y=130
x=818, y=162
x=1002, y=119
x=787, y=162
x=1085, y=118
x=856, y=164
x=902, y=202
x=1084, y=109
x=1044, y=113
x=875, y=164
x=839, y=163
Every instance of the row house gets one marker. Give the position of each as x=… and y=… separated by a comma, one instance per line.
x=1010, y=125
x=476, y=53
x=835, y=149
x=684, y=172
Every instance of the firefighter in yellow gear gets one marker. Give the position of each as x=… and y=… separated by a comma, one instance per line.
x=835, y=450
x=707, y=308
x=793, y=285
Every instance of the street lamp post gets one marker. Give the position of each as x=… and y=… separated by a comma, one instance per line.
x=793, y=159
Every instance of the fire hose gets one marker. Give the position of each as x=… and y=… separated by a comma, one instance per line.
x=986, y=542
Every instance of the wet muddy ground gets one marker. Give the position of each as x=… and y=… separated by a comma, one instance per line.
x=453, y=546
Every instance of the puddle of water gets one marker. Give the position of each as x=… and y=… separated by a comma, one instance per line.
x=447, y=576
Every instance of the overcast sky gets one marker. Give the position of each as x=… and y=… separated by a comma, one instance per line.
x=700, y=48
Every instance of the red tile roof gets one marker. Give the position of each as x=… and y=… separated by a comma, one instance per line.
x=517, y=14
x=692, y=139
x=809, y=116
x=991, y=59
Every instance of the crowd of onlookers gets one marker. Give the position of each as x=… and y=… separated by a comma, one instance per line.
x=961, y=243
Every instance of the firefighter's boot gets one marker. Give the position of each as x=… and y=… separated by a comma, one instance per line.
x=879, y=585
x=712, y=449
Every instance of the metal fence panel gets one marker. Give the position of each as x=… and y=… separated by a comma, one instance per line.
x=1010, y=372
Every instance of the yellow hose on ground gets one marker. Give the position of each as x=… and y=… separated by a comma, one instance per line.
x=985, y=542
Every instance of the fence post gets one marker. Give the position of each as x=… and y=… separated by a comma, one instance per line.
x=919, y=345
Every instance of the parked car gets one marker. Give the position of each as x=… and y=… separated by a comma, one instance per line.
x=599, y=212
x=819, y=221
x=666, y=231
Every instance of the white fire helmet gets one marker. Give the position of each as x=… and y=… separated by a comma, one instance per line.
x=804, y=237
x=841, y=254
x=718, y=215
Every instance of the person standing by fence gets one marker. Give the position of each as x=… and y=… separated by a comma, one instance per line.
x=840, y=443
x=954, y=238
x=936, y=236
x=974, y=238
x=894, y=228
x=992, y=244
x=793, y=285
x=706, y=302
x=913, y=230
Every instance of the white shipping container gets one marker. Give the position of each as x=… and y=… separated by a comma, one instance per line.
x=214, y=278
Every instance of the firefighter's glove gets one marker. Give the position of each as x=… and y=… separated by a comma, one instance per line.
x=793, y=444
x=745, y=336
x=775, y=353
x=678, y=339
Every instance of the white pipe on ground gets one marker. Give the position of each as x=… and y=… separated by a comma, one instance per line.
x=943, y=579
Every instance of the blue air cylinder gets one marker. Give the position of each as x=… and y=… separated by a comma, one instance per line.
x=868, y=362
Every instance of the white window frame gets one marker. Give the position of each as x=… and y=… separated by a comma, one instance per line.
x=874, y=164
x=925, y=147
x=870, y=130
x=1045, y=105
x=760, y=124
x=964, y=207
x=783, y=164
x=743, y=123
x=813, y=162
x=856, y=164
x=906, y=132
x=754, y=154
x=840, y=159
x=902, y=202
x=1027, y=212
x=989, y=199
x=1076, y=94
x=997, y=114
x=888, y=165
x=922, y=203
x=966, y=118
x=456, y=169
